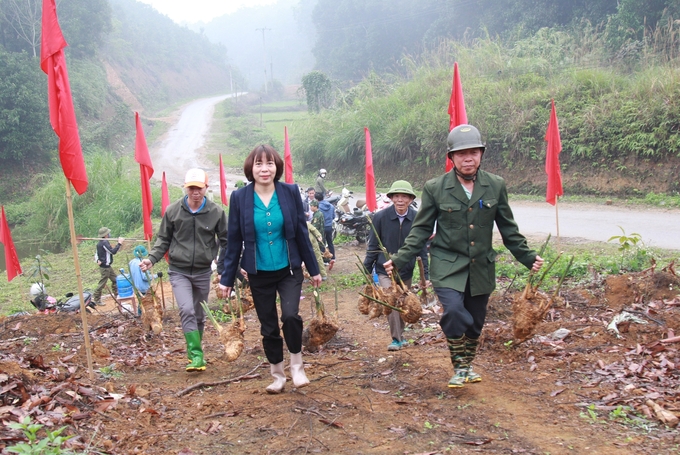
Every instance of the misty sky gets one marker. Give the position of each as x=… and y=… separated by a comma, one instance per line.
x=201, y=10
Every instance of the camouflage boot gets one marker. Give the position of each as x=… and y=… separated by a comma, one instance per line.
x=470, y=352
x=459, y=361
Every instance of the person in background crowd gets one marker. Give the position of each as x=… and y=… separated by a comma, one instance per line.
x=393, y=224
x=104, y=257
x=192, y=231
x=320, y=184
x=268, y=238
x=328, y=216
x=316, y=239
x=465, y=204
x=310, y=198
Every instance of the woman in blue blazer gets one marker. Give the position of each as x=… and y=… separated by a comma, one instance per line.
x=267, y=236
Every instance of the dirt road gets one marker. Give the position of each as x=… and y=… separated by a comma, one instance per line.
x=181, y=148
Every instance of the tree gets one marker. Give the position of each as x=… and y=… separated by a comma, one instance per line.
x=21, y=24
x=317, y=87
x=25, y=131
x=85, y=23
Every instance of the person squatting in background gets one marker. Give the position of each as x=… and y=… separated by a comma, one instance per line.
x=141, y=280
x=393, y=224
x=464, y=204
x=104, y=257
x=191, y=231
x=269, y=240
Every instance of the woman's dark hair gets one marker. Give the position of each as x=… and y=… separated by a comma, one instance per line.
x=268, y=153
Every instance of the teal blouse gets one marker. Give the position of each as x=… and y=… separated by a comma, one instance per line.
x=270, y=243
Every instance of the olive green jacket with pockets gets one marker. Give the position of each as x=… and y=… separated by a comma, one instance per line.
x=462, y=246
x=192, y=240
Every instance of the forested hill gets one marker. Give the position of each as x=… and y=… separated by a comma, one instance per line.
x=122, y=56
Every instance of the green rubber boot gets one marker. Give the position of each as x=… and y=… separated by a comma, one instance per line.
x=471, y=345
x=189, y=352
x=194, y=351
x=458, y=359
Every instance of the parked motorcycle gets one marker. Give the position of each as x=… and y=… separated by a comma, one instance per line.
x=354, y=224
x=68, y=304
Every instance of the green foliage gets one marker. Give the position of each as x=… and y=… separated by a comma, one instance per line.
x=110, y=372
x=39, y=271
x=50, y=445
x=85, y=24
x=221, y=316
x=590, y=415
x=25, y=131
x=112, y=199
x=317, y=89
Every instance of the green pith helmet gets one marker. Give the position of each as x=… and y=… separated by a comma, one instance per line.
x=401, y=187
x=464, y=137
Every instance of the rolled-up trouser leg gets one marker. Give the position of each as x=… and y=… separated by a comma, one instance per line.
x=394, y=319
x=190, y=291
x=463, y=314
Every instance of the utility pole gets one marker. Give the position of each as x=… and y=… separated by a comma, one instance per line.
x=264, y=54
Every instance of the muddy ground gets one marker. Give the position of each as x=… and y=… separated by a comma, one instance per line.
x=588, y=393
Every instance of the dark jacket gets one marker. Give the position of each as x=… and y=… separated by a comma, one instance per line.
x=192, y=240
x=328, y=211
x=463, y=246
x=242, y=232
x=392, y=235
x=105, y=253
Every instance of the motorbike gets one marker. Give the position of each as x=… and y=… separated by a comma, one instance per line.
x=68, y=304
x=354, y=224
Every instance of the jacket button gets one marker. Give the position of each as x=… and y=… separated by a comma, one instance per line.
x=449, y=210
x=471, y=243
x=470, y=209
x=472, y=260
x=271, y=243
x=472, y=226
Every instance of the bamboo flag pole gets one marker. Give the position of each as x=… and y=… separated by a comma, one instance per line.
x=557, y=222
x=76, y=263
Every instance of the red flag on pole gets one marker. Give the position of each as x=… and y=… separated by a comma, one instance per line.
x=145, y=174
x=165, y=196
x=223, y=183
x=62, y=114
x=457, y=114
x=11, y=258
x=552, y=159
x=370, y=176
x=287, y=157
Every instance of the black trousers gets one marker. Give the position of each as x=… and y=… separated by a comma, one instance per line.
x=264, y=287
x=463, y=313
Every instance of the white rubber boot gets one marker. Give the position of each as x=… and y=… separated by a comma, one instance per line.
x=279, y=379
x=297, y=370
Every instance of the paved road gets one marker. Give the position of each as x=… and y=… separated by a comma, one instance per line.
x=180, y=148
x=658, y=227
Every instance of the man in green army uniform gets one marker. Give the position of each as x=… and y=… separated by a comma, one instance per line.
x=464, y=204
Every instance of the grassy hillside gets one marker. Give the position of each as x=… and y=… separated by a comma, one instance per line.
x=618, y=120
